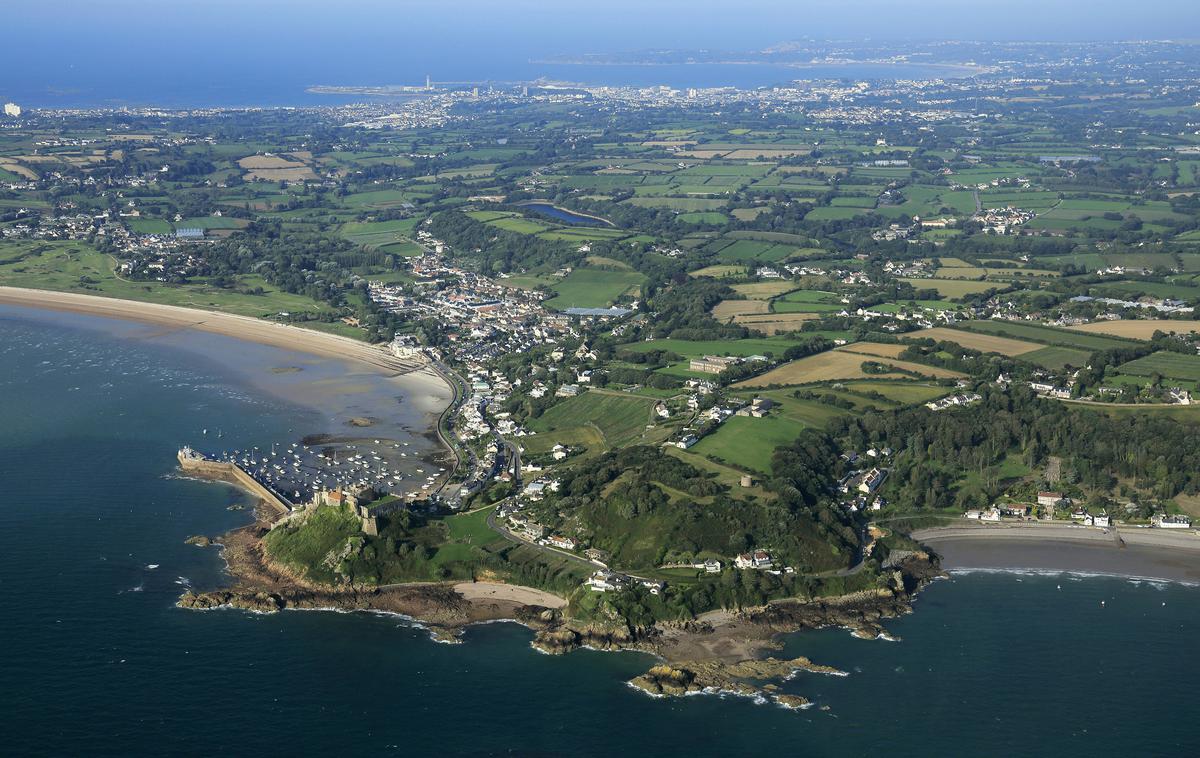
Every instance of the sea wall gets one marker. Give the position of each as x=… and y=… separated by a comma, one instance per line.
x=234, y=474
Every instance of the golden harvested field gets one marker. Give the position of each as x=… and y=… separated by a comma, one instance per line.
x=252, y=162
x=719, y=271
x=763, y=290
x=877, y=349
x=774, y=323
x=1140, y=330
x=16, y=168
x=834, y=365
x=298, y=174
x=986, y=343
x=952, y=287
x=749, y=214
x=749, y=154
x=727, y=309
x=702, y=154
x=275, y=168
x=960, y=272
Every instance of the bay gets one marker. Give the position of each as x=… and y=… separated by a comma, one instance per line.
x=97, y=659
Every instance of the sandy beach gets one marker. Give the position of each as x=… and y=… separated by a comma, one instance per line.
x=241, y=327
x=1125, y=551
x=513, y=593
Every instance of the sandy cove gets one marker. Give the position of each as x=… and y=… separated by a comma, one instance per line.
x=1137, y=552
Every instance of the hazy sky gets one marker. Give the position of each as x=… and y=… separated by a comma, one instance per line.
x=138, y=49
x=602, y=25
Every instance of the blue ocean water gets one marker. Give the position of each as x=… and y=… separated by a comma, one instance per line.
x=96, y=659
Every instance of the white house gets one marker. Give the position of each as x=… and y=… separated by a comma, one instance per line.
x=754, y=560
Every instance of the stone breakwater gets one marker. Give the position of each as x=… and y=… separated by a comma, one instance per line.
x=194, y=464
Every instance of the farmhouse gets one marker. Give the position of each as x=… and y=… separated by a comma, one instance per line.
x=712, y=364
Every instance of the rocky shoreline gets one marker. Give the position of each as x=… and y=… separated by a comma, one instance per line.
x=720, y=652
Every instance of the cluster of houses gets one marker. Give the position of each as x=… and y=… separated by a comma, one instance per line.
x=485, y=319
x=604, y=580
x=1055, y=501
x=953, y=401
x=1003, y=220
x=713, y=417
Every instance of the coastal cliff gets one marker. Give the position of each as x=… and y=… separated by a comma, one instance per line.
x=719, y=652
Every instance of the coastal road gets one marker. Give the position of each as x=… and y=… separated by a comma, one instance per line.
x=459, y=387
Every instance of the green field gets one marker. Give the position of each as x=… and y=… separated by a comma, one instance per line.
x=1171, y=365
x=1156, y=289
x=378, y=233
x=748, y=442
x=593, y=288
x=1056, y=357
x=211, y=222
x=619, y=419
x=149, y=226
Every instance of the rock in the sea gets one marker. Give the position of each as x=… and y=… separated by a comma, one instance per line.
x=260, y=602
x=564, y=639
x=198, y=540
x=792, y=701
x=667, y=680
x=713, y=675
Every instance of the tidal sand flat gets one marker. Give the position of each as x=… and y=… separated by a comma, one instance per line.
x=358, y=390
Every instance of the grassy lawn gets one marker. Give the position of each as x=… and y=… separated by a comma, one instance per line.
x=471, y=528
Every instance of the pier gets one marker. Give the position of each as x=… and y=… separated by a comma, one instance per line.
x=197, y=464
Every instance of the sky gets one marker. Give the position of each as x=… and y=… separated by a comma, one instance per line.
x=73, y=50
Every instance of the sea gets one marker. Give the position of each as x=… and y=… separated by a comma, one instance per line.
x=97, y=659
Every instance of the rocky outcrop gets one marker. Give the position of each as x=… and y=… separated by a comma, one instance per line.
x=557, y=640
x=259, y=602
x=751, y=678
x=199, y=540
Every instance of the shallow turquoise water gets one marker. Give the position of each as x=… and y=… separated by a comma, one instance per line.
x=97, y=660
